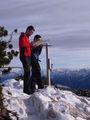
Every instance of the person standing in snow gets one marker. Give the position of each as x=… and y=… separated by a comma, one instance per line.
x=25, y=57
x=36, y=70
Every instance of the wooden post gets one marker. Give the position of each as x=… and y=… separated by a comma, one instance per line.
x=48, y=65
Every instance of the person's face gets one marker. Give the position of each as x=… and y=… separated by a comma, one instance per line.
x=30, y=32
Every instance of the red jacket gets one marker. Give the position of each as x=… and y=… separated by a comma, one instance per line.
x=24, y=45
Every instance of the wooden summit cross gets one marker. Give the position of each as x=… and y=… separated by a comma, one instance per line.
x=48, y=64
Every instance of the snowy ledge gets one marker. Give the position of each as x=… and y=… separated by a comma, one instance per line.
x=47, y=104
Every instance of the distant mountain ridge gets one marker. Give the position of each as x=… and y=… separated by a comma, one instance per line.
x=72, y=78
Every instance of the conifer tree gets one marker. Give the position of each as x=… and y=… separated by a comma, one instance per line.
x=6, y=55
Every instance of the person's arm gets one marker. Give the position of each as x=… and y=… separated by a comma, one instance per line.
x=40, y=49
x=23, y=45
x=23, y=42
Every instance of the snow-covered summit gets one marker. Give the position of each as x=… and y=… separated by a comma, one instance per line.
x=47, y=104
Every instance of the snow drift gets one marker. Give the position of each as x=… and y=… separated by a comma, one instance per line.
x=47, y=104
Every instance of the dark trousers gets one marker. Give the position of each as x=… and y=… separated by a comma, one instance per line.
x=27, y=82
x=36, y=75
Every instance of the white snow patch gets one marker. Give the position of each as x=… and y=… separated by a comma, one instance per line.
x=46, y=104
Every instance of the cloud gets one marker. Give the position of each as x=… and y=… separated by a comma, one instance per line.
x=65, y=22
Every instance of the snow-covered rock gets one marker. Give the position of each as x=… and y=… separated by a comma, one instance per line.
x=46, y=104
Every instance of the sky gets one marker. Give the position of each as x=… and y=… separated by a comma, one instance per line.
x=66, y=23
x=63, y=23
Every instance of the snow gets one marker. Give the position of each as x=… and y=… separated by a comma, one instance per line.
x=47, y=104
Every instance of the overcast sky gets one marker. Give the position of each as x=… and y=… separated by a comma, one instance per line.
x=66, y=23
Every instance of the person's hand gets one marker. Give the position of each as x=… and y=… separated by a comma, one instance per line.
x=41, y=45
x=32, y=43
